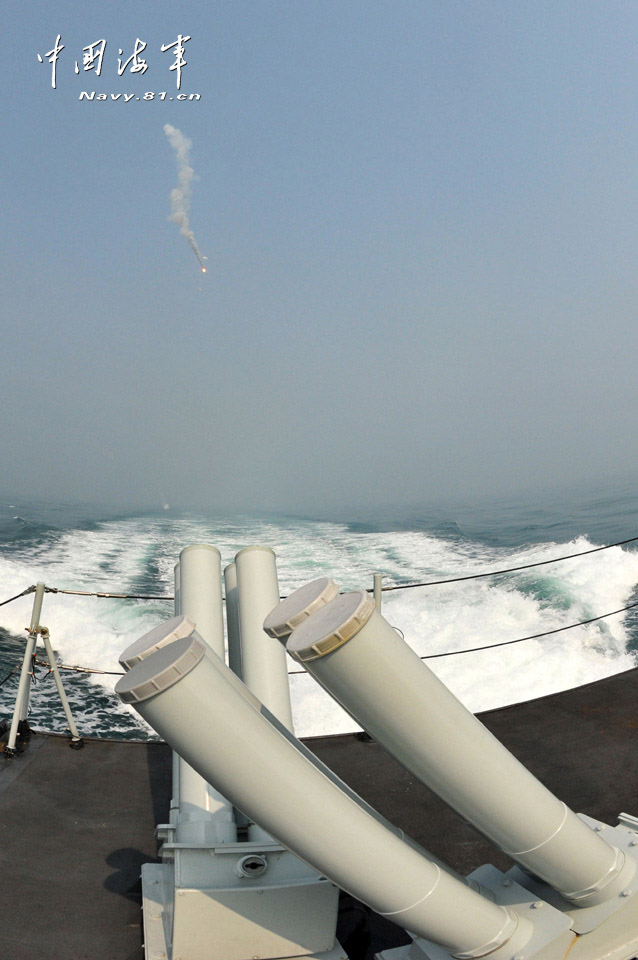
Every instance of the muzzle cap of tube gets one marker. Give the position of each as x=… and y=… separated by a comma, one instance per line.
x=331, y=626
x=164, y=633
x=160, y=670
x=296, y=608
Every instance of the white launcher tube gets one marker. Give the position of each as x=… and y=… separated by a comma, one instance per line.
x=204, y=815
x=383, y=684
x=197, y=704
x=174, y=807
x=264, y=665
x=176, y=605
x=156, y=639
x=263, y=660
x=232, y=619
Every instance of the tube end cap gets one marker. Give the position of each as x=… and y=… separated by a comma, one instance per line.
x=301, y=604
x=331, y=626
x=160, y=636
x=161, y=670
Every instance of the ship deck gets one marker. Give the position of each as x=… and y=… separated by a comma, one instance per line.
x=75, y=826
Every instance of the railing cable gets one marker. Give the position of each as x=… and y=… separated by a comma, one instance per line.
x=11, y=673
x=534, y=636
x=404, y=586
x=507, y=643
x=75, y=669
x=427, y=656
x=497, y=573
x=17, y=596
x=107, y=596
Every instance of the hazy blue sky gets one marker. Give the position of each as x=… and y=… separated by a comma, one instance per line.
x=421, y=225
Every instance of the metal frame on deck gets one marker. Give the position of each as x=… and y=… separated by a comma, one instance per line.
x=19, y=722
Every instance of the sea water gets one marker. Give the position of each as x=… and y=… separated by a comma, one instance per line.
x=82, y=548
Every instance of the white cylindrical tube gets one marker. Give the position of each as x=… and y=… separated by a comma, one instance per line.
x=232, y=619
x=264, y=664
x=161, y=636
x=297, y=607
x=384, y=685
x=174, y=806
x=204, y=814
x=200, y=593
x=176, y=604
x=186, y=695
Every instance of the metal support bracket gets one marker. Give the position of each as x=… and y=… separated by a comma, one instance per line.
x=624, y=837
x=606, y=931
x=19, y=724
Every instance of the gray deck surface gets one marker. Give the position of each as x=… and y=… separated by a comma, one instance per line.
x=76, y=825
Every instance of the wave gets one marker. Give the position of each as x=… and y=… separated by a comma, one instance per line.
x=137, y=555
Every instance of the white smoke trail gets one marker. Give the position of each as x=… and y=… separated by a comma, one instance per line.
x=181, y=194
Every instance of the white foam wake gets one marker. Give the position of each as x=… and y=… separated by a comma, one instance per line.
x=129, y=555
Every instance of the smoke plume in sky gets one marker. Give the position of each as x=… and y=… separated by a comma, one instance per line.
x=181, y=195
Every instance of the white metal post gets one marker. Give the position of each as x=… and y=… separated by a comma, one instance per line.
x=21, y=708
x=76, y=739
x=376, y=589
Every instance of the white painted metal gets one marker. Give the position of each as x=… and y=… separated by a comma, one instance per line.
x=264, y=663
x=614, y=939
x=204, y=814
x=173, y=815
x=21, y=707
x=160, y=636
x=263, y=773
x=298, y=606
x=200, y=589
x=363, y=663
x=176, y=603
x=75, y=736
x=232, y=619
x=552, y=938
x=377, y=583
x=249, y=920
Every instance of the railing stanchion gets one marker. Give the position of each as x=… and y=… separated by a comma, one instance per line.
x=21, y=708
x=76, y=739
x=376, y=590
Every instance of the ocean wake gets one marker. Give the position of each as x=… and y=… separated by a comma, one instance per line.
x=137, y=555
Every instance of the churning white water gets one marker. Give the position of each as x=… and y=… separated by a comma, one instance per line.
x=137, y=555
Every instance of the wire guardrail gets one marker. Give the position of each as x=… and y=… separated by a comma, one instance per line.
x=498, y=573
x=18, y=595
x=390, y=588
x=426, y=656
